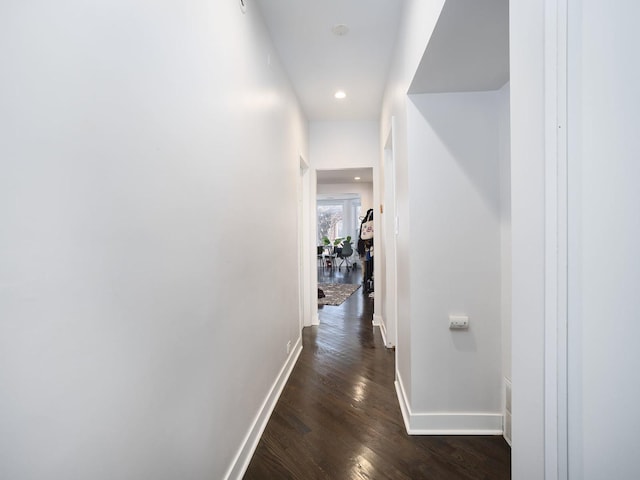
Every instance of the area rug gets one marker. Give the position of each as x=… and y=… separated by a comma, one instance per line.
x=336, y=293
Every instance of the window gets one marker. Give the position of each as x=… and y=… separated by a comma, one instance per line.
x=329, y=222
x=338, y=218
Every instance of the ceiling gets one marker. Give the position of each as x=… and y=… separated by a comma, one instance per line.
x=320, y=62
x=469, y=49
x=346, y=175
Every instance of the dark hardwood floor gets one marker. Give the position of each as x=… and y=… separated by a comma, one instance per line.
x=342, y=275
x=338, y=416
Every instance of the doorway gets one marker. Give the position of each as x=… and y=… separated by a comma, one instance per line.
x=342, y=198
x=337, y=229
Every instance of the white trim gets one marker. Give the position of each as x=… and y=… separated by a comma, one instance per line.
x=403, y=401
x=304, y=289
x=507, y=407
x=556, y=195
x=304, y=165
x=377, y=241
x=241, y=461
x=314, y=320
x=391, y=236
x=551, y=238
x=383, y=330
x=448, y=423
x=507, y=438
x=378, y=321
x=456, y=424
x=563, y=247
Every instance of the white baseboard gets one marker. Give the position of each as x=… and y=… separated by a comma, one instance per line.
x=315, y=320
x=383, y=332
x=378, y=321
x=241, y=461
x=507, y=410
x=507, y=428
x=446, y=423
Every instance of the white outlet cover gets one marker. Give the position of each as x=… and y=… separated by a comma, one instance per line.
x=458, y=322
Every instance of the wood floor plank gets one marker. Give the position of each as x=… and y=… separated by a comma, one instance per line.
x=339, y=418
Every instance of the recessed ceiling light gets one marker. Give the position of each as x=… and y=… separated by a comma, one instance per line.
x=340, y=29
x=340, y=94
x=356, y=178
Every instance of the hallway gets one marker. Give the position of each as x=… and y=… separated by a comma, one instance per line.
x=338, y=416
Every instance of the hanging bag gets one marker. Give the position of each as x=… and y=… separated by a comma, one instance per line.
x=366, y=229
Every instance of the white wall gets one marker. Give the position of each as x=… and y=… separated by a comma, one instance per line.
x=453, y=246
x=364, y=189
x=388, y=324
x=602, y=223
x=604, y=228
x=527, y=24
x=454, y=185
x=504, y=159
x=418, y=21
x=137, y=337
x=340, y=145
